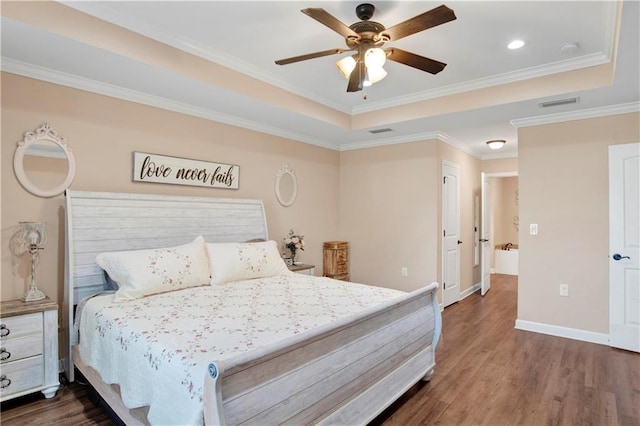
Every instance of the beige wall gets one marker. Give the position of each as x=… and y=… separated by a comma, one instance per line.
x=500, y=165
x=103, y=132
x=563, y=171
x=390, y=213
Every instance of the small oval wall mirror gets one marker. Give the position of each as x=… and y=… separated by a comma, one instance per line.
x=286, y=186
x=43, y=163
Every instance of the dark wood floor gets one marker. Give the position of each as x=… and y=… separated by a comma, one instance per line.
x=487, y=373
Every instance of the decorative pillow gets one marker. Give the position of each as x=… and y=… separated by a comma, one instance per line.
x=244, y=261
x=140, y=273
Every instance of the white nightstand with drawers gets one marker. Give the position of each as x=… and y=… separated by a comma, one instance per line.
x=28, y=348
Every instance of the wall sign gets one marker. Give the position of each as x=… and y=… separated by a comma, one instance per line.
x=183, y=171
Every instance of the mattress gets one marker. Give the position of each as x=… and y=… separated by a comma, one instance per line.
x=157, y=348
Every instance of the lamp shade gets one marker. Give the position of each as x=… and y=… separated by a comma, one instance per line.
x=496, y=143
x=346, y=66
x=374, y=75
x=375, y=58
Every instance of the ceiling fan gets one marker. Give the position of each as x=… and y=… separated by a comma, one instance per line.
x=366, y=38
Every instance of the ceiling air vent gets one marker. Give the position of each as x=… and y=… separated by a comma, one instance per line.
x=376, y=131
x=558, y=102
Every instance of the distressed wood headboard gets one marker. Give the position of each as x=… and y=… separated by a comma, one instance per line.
x=106, y=221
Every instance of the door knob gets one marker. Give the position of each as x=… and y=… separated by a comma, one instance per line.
x=482, y=240
x=459, y=242
x=618, y=256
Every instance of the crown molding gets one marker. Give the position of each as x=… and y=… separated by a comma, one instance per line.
x=419, y=137
x=577, y=115
x=449, y=140
x=13, y=66
x=56, y=77
x=483, y=83
x=389, y=141
x=207, y=52
x=195, y=48
x=610, y=23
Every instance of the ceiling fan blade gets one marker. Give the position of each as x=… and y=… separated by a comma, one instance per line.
x=309, y=56
x=416, y=61
x=331, y=21
x=356, y=78
x=432, y=18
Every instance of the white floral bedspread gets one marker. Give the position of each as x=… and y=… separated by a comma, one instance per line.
x=158, y=348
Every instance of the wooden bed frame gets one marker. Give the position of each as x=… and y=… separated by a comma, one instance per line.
x=346, y=372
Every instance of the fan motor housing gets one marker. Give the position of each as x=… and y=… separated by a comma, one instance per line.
x=368, y=31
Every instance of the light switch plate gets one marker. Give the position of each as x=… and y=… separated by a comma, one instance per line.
x=564, y=290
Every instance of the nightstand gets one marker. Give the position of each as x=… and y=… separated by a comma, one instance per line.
x=336, y=260
x=303, y=269
x=28, y=348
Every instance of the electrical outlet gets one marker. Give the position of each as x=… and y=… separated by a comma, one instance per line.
x=533, y=229
x=404, y=271
x=564, y=290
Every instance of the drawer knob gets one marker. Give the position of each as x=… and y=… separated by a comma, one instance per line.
x=4, y=354
x=4, y=331
x=4, y=382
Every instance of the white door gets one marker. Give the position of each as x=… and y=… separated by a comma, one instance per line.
x=485, y=235
x=624, y=246
x=450, y=233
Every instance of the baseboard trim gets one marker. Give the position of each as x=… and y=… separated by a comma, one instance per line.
x=566, y=332
x=468, y=292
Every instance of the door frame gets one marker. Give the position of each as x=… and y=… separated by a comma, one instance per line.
x=486, y=209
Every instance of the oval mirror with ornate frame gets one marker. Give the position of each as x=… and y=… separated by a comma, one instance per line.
x=44, y=163
x=286, y=186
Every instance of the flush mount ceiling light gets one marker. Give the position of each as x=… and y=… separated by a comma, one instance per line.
x=515, y=44
x=496, y=143
x=365, y=38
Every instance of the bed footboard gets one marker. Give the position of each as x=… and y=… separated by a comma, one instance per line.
x=345, y=373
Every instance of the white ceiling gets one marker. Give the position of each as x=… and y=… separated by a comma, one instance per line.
x=249, y=36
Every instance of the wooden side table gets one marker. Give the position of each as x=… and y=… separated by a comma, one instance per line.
x=336, y=260
x=303, y=269
x=28, y=348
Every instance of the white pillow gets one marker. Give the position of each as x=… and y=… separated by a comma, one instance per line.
x=143, y=272
x=244, y=261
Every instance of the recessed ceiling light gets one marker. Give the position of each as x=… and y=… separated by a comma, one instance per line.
x=515, y=44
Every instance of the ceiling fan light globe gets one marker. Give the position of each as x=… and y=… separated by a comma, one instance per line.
x=346, y=66
x=374, y=75
x=375, y=57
